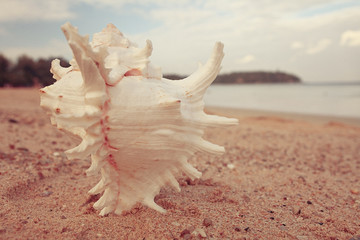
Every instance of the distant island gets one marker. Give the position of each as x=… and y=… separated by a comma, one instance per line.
x=28, y=72
x=248, y=77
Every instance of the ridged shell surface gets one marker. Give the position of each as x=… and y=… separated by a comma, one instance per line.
x=138, y=127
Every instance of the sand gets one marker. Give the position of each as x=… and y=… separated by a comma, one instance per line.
x=282, y=177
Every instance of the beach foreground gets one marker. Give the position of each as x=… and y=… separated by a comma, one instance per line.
x=280, y=178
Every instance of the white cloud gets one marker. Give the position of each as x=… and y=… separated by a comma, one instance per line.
x=320, y=46
x=247, y=59
x=295, y=20
x=297, y=45
x=350, y=38
x=14, y=10
x=185, y=31
x=172, y=16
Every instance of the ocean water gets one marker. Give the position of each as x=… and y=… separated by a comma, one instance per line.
x=340, y=100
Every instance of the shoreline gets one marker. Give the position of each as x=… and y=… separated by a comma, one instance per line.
x=15, y=97
x=250, y=113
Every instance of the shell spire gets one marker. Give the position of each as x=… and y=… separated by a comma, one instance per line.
x=138, y=128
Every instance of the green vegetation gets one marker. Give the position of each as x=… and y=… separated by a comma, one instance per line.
x=27, y=72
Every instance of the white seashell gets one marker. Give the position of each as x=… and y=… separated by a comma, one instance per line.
x=138, y=127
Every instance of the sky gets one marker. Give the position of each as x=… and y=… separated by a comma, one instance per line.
x=317, y=40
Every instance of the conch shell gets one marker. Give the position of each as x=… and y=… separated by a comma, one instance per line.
x=138, y=127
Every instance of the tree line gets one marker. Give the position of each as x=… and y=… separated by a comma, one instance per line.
x=27, y=72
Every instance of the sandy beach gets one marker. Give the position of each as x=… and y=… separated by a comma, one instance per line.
x=283, y=176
